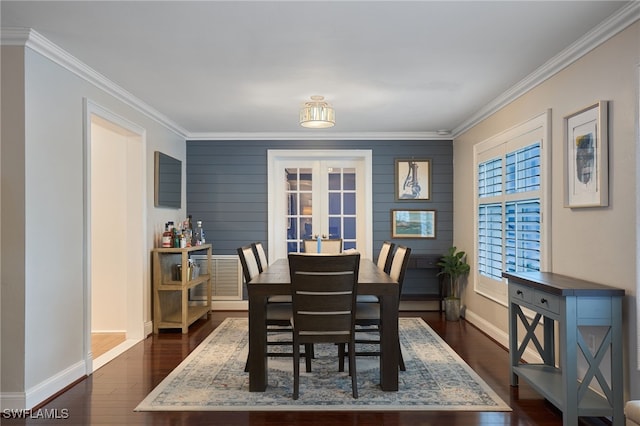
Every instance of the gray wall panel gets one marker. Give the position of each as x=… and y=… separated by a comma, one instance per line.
x=227, y=185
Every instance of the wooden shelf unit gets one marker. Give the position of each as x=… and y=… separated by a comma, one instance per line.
x=171, y=305
x=573, y=303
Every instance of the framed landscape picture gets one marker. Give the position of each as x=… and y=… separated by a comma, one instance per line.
x=413, y=179
x=413, y=223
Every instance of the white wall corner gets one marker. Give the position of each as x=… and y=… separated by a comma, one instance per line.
x=148, y=328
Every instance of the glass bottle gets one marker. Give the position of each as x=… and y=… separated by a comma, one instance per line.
x=167, y=237
x=199, y=234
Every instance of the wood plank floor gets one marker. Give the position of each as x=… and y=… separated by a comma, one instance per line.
x=102, y=343
x=109, y=396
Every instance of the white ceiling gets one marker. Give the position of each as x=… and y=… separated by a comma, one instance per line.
x=222, y=69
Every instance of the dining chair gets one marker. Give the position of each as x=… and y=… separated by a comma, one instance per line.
x=327, y=246
x=368, y=314
x=323, y=289
x=278, y=312
x=384, y=263
x=263, y=263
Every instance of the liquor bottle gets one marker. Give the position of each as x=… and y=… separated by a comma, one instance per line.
x=167, y=237
x=189, y=231
x=199, y=234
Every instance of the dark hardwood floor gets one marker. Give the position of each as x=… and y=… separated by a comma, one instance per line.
x=109, y=396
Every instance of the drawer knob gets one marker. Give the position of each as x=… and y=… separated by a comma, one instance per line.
x=519, y=292
x=543, y=300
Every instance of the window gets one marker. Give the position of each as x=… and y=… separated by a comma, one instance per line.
x=510, y=204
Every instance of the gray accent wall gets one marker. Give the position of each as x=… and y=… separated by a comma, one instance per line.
x=227, y=190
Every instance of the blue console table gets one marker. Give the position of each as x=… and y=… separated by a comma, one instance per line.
x=572, y=303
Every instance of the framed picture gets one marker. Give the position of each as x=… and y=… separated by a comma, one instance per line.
x=413, y=223
x=413, y=179
x=586, y=157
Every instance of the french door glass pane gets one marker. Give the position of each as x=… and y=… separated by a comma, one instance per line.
x=335, y=216
x=299, y=184
x=342, y=205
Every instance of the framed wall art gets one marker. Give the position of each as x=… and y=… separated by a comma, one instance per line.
x=413, y=179
x=413, y=223
x=586, y=157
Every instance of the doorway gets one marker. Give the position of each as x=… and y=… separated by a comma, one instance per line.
x=326, y=193
x=115, y=235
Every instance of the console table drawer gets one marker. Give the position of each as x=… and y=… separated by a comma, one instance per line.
x=521, y=293
x=547, y=301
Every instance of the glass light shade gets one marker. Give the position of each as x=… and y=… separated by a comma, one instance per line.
x=317, y=114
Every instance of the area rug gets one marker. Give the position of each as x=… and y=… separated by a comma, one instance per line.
x=212, y=378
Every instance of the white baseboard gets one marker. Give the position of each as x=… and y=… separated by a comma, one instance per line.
x=148, y=328
x=112, y=353
x=230, y=305
x=43, y=390
x=12, y=401
x=499, y=336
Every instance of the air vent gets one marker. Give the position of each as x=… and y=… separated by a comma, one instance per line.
x=226, y=278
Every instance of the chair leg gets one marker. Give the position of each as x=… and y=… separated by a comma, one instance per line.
x=352, y=369
x=341, y=357
x=400, y=358
x=296, y=371
x=308, y=349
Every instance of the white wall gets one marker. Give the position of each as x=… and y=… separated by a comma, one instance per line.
x=12, y=226
x=597, y=244
x=108, y=229
x=52, y=322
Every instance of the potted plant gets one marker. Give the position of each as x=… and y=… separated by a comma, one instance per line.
x=453, y=265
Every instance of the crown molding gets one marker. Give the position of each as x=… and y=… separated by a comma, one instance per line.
x=35, y=41
x=594, y=38
x=369, y=136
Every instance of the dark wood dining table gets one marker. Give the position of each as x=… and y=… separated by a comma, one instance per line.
x=275, y=280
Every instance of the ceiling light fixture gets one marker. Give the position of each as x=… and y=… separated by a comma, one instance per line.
x=317, y=114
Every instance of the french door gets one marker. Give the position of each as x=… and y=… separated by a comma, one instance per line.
x=319, y=193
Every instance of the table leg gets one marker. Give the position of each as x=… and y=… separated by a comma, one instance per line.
x=389, y=356
x=257, y=344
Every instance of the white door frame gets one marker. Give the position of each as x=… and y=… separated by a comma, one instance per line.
x=365, y=242
x=136, y=286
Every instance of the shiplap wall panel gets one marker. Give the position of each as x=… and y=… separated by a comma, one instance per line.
x=227, y=190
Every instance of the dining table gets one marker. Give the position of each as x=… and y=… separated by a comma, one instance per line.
x=275, y=280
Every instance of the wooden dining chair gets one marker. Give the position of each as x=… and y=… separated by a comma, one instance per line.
x=324, y=291
x=327, y=246
x=368, y=314
x=278, y=312
x=384, y=263
x=263, y=263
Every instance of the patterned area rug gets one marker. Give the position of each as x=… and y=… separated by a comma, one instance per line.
x=212, y=378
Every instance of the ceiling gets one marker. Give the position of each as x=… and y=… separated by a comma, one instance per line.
x=243, y=69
